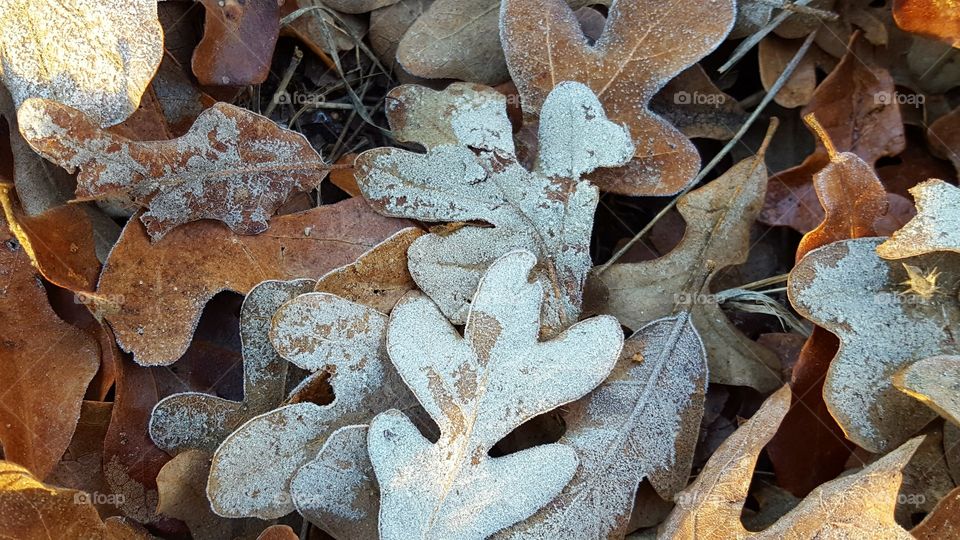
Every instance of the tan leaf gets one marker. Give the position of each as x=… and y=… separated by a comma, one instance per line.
x=252, y=469
x=94, y=55
x=643, y=421
x=278, y=532
x=233, y=165
x=934, y=381
x=644, y=45
x=853, y=506
x=944, y=137
x=143, y=276
x=181, y=485
x=238, y=41
x=478, y=388
x=358, y=6
x=470, y=173
x=388, y=26
x=32, y=510
x=883, y=324
x=197, y=421
x=717, y=236
x=47, y=365
x=936, y=226
x=773, y=55
x=379, y=277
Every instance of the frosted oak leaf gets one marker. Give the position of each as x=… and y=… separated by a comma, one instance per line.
x=94, y=55
x=197, y=421
x=936, y=226
x=643, y=421
x=478, y=388
x=644, y=44
x=470, y=173
x=325, y=334
x=233, y=165
x=848, y=289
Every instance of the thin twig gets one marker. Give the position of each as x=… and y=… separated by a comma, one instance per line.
x=755, y=38
x=285, y=80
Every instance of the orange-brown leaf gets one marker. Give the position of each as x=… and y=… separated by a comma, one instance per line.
x=238, y=41
x=938, y=19
x=644, y=45
x=32, y=510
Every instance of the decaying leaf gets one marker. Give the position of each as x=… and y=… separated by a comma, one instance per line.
x=478, y=388
x=773, y=55
x=238, y=41
x=46, y=366
x=859, y=505
x=644, y=45
x=718, y=218
x=938, y=19
x=31, y=510
x=643, y=421
x=158, y=304
x=197, y=421
x=379, y=277
x=470, y=173
x=934, y=381
x=233, y=165
x=338, y=491
x=718, y=116
x=857, y=107
x=96, y=56
x=944, y=136
x=936, y=226
x=883, y=325
x=388, y=26
x=252, y=469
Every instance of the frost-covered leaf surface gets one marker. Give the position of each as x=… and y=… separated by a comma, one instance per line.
x=478, y=388
x=338, y=491
x=936, y=226
x=859, y=505
x=197, y=421
x=644, y=45
x=94, y=55
x=233, y=165
x=934, y=381
x=252, y=469
x=886, y=318
x=157, y=304
x=718, y=217
x=642, y=422
x=470, y=173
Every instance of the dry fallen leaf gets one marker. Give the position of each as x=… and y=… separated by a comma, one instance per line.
x=810, y=448
x=47, y=365
x=278, y=532
x=644, y=45
x=158, y=304
x=319, y=332
x=716, y=117
x=379, y=277
x=934, y=382
x=859, y=505
x=883, y=324
x=94, y=55
x=643, y=421
x=717, y=236
x=943, y=521
x=936, y=226
x=478, y=388
x=31, y=510
x=470, y=173
x=197, y=421
x=857, y=107
x=238, y=41
x=938, y=19
x=233, y=165
x=944, y=136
